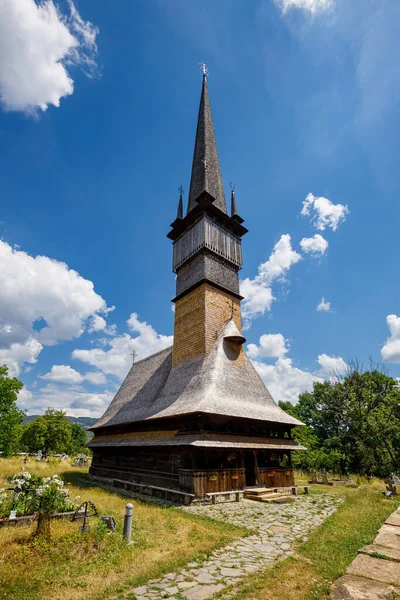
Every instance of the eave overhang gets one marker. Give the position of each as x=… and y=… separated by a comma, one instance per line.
x=198, y=440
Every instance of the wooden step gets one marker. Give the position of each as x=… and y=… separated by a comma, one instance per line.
x=265, y=497
x=259, y=491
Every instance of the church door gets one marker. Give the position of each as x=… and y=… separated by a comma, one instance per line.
x=250, y=466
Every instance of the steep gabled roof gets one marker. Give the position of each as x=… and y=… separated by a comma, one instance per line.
x=225, y=383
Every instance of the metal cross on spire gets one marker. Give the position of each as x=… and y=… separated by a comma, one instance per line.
x=181, y=190
x=203, y=67
x=232, y=186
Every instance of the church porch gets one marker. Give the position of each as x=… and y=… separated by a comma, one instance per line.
x=195, y=470
x=211, y=481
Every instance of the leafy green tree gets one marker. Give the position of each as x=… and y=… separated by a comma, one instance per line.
x=50, y=433
x=11, y=417
x=352, y=424
x=78, y=439
x=54, y=433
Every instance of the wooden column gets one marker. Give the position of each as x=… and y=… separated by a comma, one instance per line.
x=255, y=452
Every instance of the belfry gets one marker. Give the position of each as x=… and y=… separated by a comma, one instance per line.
x=196, y=418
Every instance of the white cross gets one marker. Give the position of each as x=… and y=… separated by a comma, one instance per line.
x=203, y=67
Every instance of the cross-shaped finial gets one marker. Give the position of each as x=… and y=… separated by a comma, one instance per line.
x=181, y=190
x=232, y=186
x=203, y=67
x=133, y=354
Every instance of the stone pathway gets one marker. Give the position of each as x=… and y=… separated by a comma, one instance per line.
x=277, y=527
x=375, y=572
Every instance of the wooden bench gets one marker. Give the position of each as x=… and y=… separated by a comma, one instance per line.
x=214, y=495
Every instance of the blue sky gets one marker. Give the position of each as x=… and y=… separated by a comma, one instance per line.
x=97, y=124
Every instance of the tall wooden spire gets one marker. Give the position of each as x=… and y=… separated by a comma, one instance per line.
x=206, y=172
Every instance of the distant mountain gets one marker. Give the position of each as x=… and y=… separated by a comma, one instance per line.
x=84, y=422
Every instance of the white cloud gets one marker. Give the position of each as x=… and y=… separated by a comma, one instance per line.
x=258, y=298
x=66, y=374
x=314, y=245
x=117, y=360
x=75, y=400
x=272, y=345
x=310, y=6
x=63, y=374
x=390, y=351
x=97, y=323
x=324, y=212
x=257, y=292
x=280, y=261
x=324, y=305
x=37, y=46
x=18, y=353
x=284, y=381
x=96, y=378
x=331, y=366
x=42, y=302
x=24, y=397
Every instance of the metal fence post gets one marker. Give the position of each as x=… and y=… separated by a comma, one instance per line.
x=128, y=522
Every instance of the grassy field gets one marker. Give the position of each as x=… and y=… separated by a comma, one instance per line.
x=324, y=558
x=97, y=565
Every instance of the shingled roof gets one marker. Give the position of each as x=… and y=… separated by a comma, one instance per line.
x=206, y=172
x=225, y=383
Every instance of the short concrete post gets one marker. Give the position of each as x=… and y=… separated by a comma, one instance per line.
x=128, y=522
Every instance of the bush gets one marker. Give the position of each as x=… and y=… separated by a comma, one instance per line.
x=30, y=494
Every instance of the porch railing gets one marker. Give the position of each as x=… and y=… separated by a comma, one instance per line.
x=275, y=477
x=203, y=482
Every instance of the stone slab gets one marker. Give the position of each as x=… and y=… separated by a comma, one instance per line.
x=376, y=569
x=227, y=572
x=388, y=553
x=389, y=536
x=202, y=592
x=394, y=519
x=184, y=585
x=205, y=578
x=280, y=529
x=284, y=500
x=172, y=590
x=357, y=588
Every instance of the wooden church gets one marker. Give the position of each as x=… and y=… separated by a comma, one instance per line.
x=196, y=417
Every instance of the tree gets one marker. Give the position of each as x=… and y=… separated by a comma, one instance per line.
x=50, y=433
x=54, y=433
x=11, y=417
x=78, y=439
x=354, y=423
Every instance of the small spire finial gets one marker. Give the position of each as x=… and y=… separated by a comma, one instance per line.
x=203, y=67
x=233, y=200
x=180, y=203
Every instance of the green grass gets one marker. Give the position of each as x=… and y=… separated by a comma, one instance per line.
x=98, y=565
x=329, y=550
